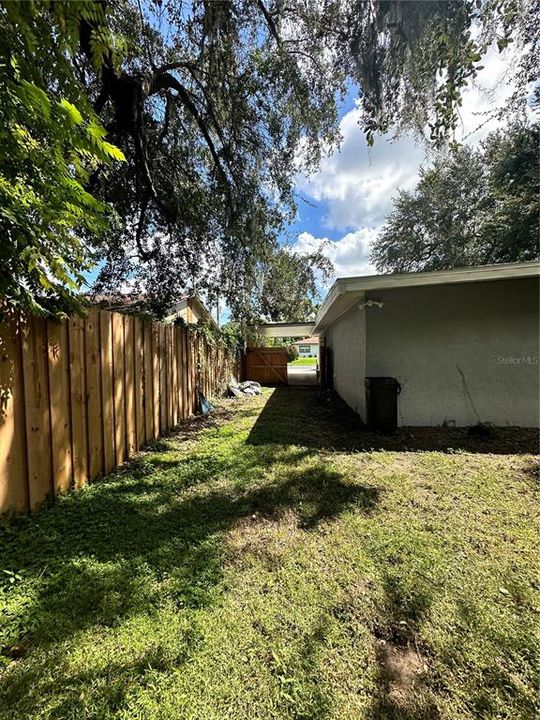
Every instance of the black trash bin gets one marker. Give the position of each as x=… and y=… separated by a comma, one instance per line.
x=382, y=402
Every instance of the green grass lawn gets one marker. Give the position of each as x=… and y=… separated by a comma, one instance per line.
x=278, y=562
x=303, y=361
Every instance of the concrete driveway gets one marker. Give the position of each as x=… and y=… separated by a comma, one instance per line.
x=302, y=375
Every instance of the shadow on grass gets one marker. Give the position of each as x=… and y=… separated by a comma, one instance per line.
x=532, y=474
x=108, y=686
x=321, y=420
x=149, y=536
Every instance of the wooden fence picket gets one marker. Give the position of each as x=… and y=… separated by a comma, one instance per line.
x=93, y=395
x=78, y=397
x=107, y=391
x=156, y=388
x=140, y=421
x=162, y=380
x=148, y=382
x=79, y=438
x=60, y=397
x=119, y=390
x=129, y=384
x=14, y=491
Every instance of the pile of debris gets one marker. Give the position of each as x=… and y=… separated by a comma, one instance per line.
x=249, y=387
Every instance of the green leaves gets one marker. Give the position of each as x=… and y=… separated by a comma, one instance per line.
x=73, y=114
x=113, y=152
x=50, y=142
x=34, y=99
x=212, y=115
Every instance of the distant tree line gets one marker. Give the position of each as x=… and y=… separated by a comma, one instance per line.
x=470, y=207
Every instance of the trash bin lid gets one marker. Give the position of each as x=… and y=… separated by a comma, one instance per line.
x=381, y=380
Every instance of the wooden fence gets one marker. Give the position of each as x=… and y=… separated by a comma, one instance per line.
x=78, y=397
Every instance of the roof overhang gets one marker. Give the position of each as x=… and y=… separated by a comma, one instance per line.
x=279, y=330
x=345, y=292
x=193, y=301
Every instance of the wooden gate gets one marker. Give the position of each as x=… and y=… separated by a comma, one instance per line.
x=267, y=366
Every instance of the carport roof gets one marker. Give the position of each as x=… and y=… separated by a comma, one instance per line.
x=281, y=330
x=346, y=291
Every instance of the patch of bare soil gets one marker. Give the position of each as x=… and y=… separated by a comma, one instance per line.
x=403, y=692
x=402, y=668
x=266, y=538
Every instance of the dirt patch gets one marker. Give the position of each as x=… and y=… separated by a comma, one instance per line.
x=266, y=538
x=403, y=669
x=531, y=472
x=403, y=692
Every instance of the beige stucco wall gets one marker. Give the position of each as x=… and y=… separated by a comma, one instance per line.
x=463, y=353
x=347, y=340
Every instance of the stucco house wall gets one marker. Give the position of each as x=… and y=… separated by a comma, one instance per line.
x=308, y=347
x=463, y=353
x=346, y=339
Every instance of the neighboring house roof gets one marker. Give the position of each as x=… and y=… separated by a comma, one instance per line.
x=308, y=341
x=195, y=303
x=346, y=291
x=131, y=303
x=136, y=304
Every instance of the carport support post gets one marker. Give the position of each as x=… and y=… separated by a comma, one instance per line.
x=322, y=361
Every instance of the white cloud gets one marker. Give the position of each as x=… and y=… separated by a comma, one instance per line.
x=485, y=97
x=357, y=184
x=349, y=255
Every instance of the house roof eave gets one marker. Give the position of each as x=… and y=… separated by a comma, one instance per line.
x=346, y=291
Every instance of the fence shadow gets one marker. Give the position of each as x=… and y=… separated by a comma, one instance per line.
x=312, y=418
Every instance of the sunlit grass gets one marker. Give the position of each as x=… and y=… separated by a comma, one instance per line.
x=303, y=361
x=271, y=565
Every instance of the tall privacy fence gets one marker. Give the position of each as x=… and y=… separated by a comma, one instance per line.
x=78, y=397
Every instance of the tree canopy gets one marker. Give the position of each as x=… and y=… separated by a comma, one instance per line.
x=216, y=106
x=471, y=207
x=49, y=147
x=285, y=287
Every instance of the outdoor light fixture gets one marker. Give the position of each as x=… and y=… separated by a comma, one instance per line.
x=370, y=303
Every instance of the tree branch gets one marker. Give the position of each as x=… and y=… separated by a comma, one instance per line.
x=269, y=21
x=166, y=80
x=172, y=66
x=167, y=118
x=144, y=255
x=210, y=109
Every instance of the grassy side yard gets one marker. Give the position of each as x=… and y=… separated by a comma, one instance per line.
x=278, y=562
x=303, y=361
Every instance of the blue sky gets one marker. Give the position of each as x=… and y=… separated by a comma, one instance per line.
x=352, y=192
